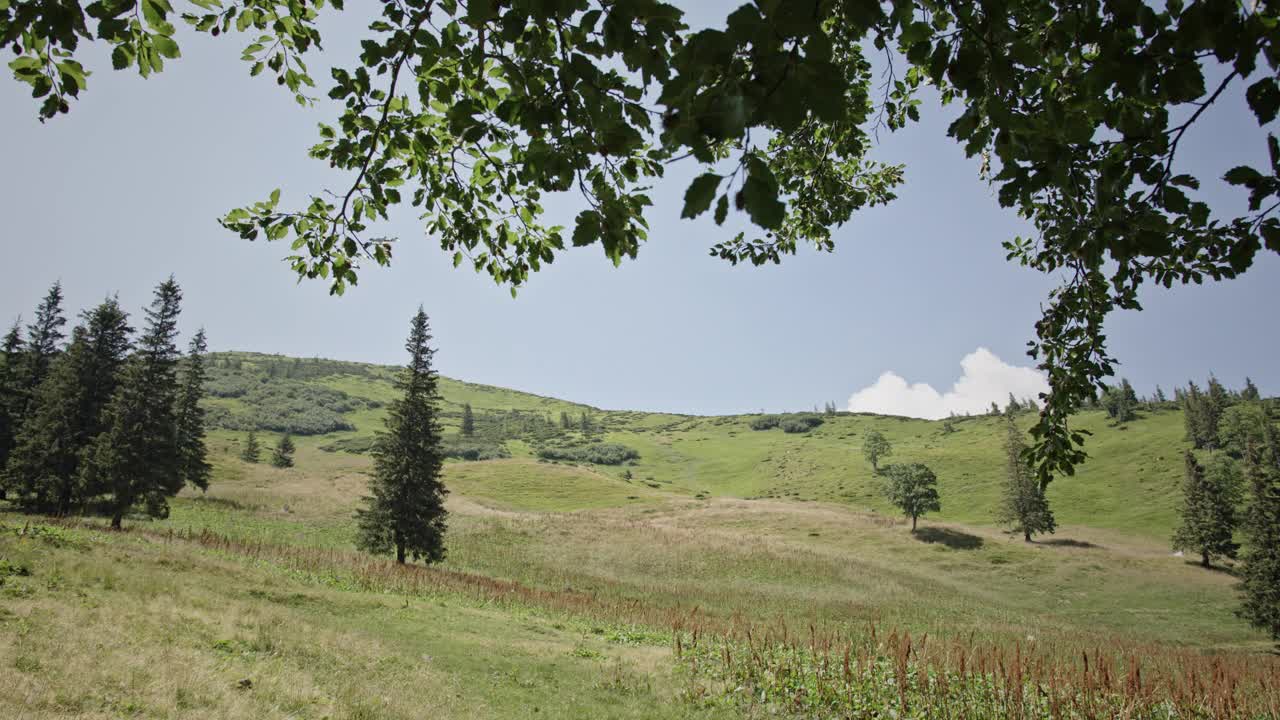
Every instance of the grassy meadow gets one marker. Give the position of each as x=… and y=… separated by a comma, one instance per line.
x=726, y=572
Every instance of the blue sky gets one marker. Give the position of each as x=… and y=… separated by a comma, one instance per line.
x=125, y=190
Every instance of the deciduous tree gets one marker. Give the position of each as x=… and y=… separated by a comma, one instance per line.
x=876, y=447
x=913, y=489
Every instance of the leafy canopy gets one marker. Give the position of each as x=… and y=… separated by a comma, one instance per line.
x=474, y=111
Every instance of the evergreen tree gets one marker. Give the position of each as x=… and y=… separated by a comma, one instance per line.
x=995, y=408
x=1208, y=510
x=1014, y=407
x=405, y=510
x=1250, y=391
x=584, y=424
x=282, y=455
x=468, y=421
x=1024, y=506
x=875, y=447
x=913, y=489
x=565, y=421
x=1196, y=416
x=1159, y=397
x=136, y=460
x=193, y=463
x=1261, y=571
x=11, y=359
x=44, y=469
x=1217, y=400
x=1240, y=426
x=1121, y=402
x=252, y=451
x=43, y=337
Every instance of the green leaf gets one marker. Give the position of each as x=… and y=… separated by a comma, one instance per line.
x=697, y=199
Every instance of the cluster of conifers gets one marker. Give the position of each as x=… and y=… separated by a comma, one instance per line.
x=105, y=422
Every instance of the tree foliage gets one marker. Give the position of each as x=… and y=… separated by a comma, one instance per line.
x=252, y=450
x=135, y=461
x=1261, y=572
x=193, y=454
x=468, y=427
x=1208, y=512
x=11, y=396
x=282, y=453
x=1023, y=505
x=67, y=413
x=474, y=111
x=404, y=512
x=876, y=447
x=913, y=489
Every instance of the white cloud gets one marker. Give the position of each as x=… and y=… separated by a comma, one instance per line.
x=986, y=379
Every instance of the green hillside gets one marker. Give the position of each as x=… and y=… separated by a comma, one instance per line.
x=1130, y=484
x=575, y=588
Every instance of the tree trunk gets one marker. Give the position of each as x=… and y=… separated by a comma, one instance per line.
x=1204, y=559
x=115, y=520
x=400, y=553
x=1026, y=535
x=913, y=523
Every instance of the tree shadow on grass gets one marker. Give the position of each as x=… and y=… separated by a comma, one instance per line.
x=1214, y=567
x=953, y=539
x=1068, y=542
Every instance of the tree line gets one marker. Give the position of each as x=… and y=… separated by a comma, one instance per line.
x=104, y=423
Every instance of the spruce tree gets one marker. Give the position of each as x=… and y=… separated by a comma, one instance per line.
x=1217, y=400
x=135, y=461
x=1195, y=414
x=1208, y=509
x=252, y=452
x=193, y=462
x=43, y=337
x=468, y=421
x=1250, y=391
x=68, y=412
x=1159, y=396
x=1261, y=571
x=282, y=455
x=404, y=512
x=11, y=359
x=913, y=489
x=1024, y=506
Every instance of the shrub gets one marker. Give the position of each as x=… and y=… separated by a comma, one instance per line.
x=765, y=422
x=467, y=449
x=801, y=424
x=598, y=454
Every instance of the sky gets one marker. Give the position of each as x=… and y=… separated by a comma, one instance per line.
x=916, y=312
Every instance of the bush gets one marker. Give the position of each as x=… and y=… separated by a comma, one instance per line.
x=465, y=449
x=598, y=454
x=765, y=422
x=354, y=445
x=802, y=424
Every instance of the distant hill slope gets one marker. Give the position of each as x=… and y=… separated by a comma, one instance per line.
x=1130, y=483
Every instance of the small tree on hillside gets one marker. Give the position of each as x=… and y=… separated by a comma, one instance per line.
x=913, y=489
x=1261, y=571
x=1250, y=391
x=404, y=512
x=1024, y=506
x=1159, y=396
x=468, y=421
x=876, y=447
x=193, y=461
x=252, y=451
x=282, y=455
x=1208, y=510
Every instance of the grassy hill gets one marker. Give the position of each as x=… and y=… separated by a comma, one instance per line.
x=581, y=589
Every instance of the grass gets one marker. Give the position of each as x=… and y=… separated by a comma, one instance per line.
x=632, y=591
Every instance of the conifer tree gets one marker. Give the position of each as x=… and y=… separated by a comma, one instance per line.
x=1208, y=509
x=11, y=359
x=1250, y=392
x=193, y=461
x=913, y=489
x=468, y=421
x=1261, y=571
x=136, y=460
x=252, y=451
x=1159, y=396
x=1195, y=414
x=1014, y=407
x=282, y=455
x=404, y=512
x=875, y=447
x=565, y=421
x=68, y=412
x=585, y=424
x=43, y=337
x=1217, y=400
x=1024, y=506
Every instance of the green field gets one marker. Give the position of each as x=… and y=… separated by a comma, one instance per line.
x=570, y=589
